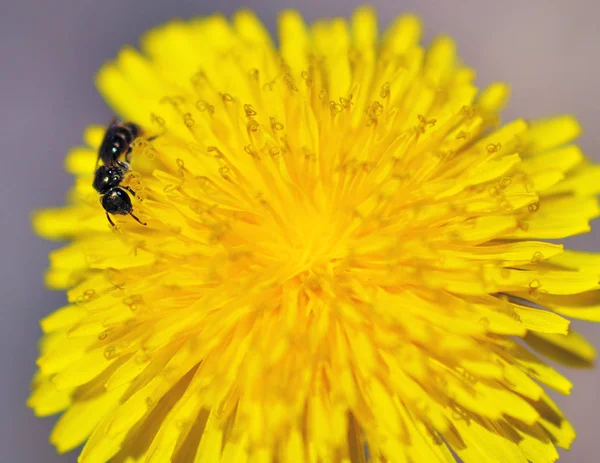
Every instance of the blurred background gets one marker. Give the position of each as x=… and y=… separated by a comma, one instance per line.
x=49, y=52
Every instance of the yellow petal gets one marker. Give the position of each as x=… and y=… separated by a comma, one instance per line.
x=544, y=134
x=542, y=321
x=555, y=422
x=294, y=40
x=62, y=318
x=78, y=422
x=571, y=349
x=536, y=446
x=576, y=260
x=494, y=98
x=583, y=182
x=46, y=399
x=562, y=159
x=537, y=369
x=403, y=34
x=548, y=282
x=82, y=370
x=482, y=444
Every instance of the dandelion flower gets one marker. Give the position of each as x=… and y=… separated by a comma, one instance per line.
x=344, y=251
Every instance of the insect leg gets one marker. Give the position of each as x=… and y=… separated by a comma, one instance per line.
x=128, y=189
x=139, y=221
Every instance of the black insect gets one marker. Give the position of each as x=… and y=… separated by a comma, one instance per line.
x=107, y=180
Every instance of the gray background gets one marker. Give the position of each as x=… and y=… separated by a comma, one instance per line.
x=50, y=50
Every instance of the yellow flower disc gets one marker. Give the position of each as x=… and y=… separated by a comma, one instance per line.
x=343, y=257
